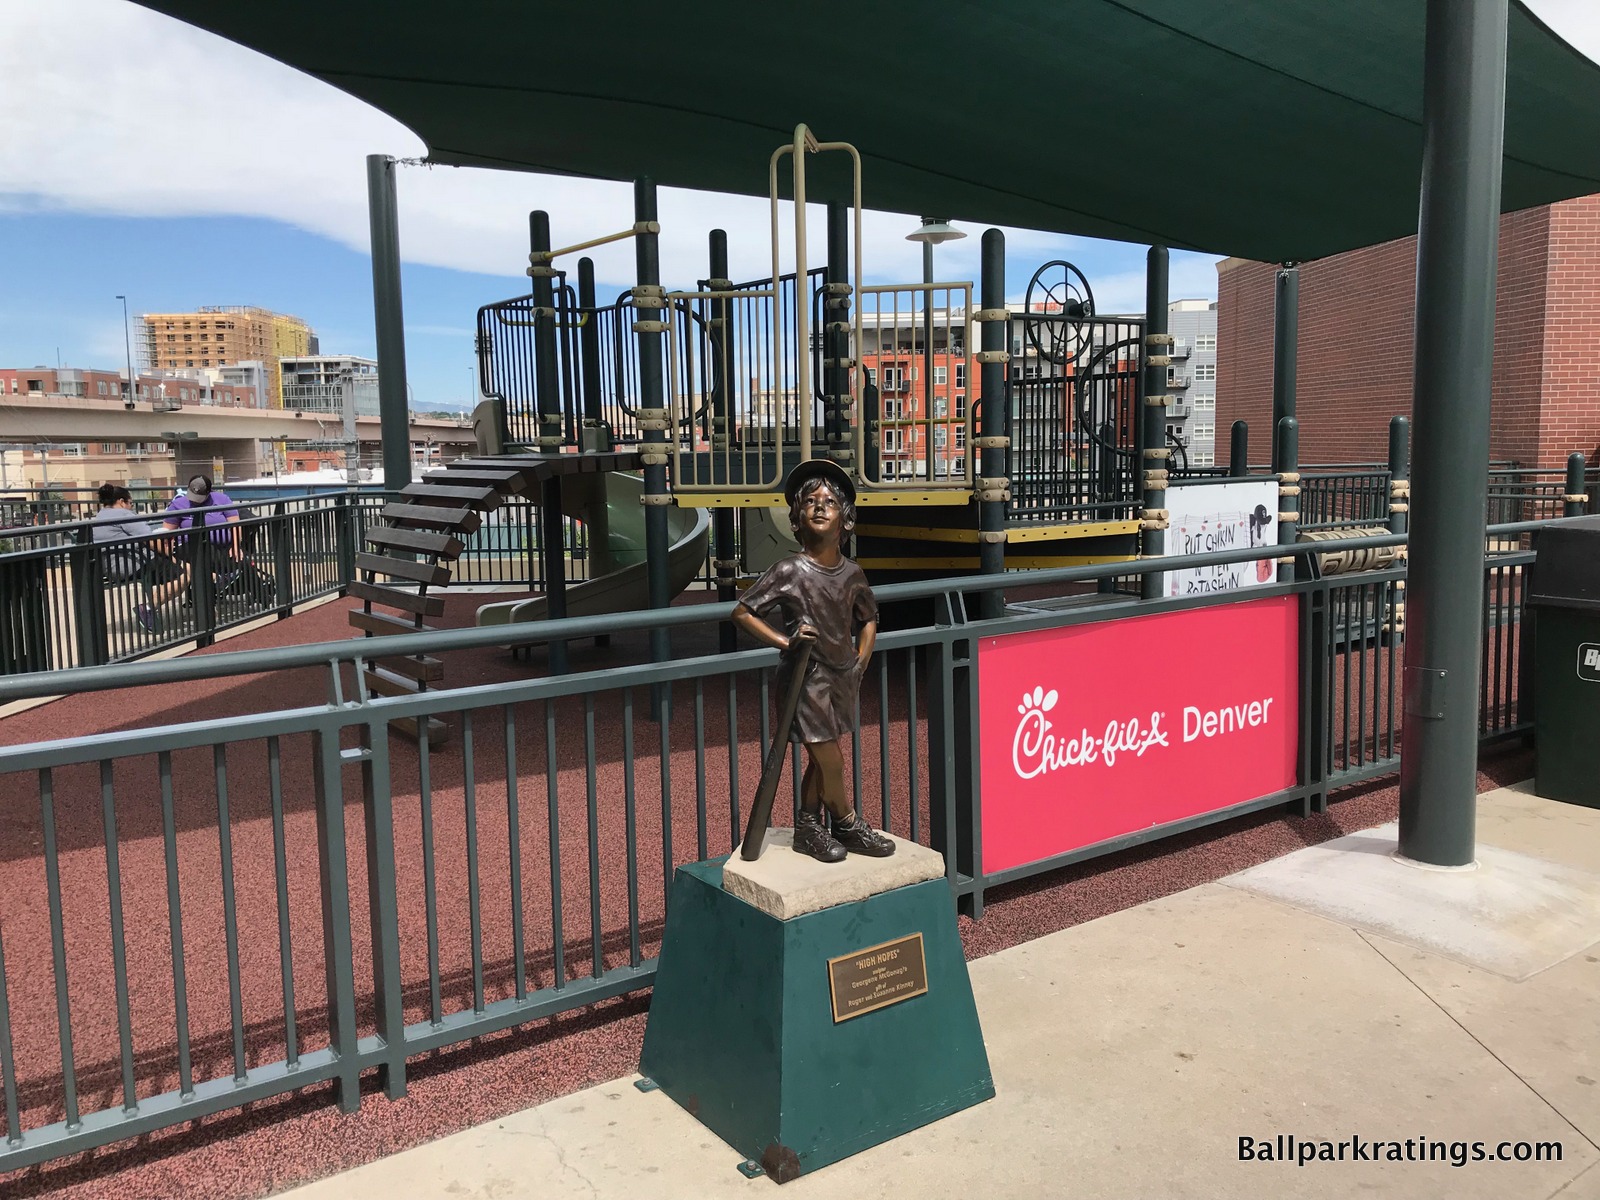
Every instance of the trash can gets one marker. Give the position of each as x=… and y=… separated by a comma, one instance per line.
x=1564, y=598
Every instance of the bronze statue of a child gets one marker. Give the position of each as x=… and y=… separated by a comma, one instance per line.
x=823, y=598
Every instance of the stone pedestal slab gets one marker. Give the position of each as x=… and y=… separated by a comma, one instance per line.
x=784, y=884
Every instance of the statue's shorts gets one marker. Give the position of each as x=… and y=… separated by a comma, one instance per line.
x=826, y=711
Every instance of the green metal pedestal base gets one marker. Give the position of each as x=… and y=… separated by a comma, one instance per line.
x=742, y=1035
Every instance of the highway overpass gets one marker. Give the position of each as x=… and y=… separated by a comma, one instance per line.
x=35, y=419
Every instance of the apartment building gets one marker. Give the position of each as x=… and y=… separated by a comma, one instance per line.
x=316, y=382
x=159, y=389
x=224, y=336
x=922, y=398
x=74, y=467
x=77, y=382
x=1192, y=379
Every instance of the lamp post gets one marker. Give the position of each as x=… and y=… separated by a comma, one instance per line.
x=930, y=233
x=127, y=346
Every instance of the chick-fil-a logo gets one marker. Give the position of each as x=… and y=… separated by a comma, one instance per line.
x=1092, y=732
x=1035, y=750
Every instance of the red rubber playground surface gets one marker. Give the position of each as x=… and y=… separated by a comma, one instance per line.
x=274, y=1144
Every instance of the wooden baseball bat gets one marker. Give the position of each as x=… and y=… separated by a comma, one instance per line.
x=755, y=830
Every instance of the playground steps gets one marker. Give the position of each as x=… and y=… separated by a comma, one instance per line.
x=417, y=540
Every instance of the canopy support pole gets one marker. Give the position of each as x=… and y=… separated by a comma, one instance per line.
x=1463, y=119
x=383, y=209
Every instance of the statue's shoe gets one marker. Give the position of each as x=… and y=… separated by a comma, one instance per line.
x=811, y=837
x=856, y=836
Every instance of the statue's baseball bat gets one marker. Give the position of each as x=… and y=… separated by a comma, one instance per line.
x=755, y=831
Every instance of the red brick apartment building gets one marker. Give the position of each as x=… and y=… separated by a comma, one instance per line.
x=90, y=384
x=904, y=410
x=1355, y=356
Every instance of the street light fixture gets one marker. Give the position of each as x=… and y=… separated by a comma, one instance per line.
x=934, y=230
x=930, y=233
x=127, y=346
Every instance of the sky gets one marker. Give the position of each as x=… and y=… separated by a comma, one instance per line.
x=274, y=212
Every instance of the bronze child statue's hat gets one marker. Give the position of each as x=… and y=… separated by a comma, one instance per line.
x=819, y=468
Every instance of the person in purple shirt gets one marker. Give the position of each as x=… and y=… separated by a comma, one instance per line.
x=222, y=525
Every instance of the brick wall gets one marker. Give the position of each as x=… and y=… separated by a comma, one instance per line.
x=1356, y=328
x=1570, y=417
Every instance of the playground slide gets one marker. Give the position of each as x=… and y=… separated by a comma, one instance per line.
x=609, y=505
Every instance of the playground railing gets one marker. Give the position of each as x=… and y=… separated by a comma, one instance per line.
x=68, y=601
x=1071, y=456
x=521, y=870
x=1358, y=497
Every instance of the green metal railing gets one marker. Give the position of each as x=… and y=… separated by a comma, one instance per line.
x=379, y=898
x=68, y=601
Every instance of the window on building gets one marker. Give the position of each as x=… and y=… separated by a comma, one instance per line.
x=940, y=406
x=101, y=387
x=113, y=448
x=961, y=375
x=893, y=410
x=891, y=441
x=1205, y=341
x=1205, y=402
x=961, y=437
x=1205, y=371
x=73, y=450
x=893, y=379
x=940, y=375
x=188, y=337
x=1204, y=431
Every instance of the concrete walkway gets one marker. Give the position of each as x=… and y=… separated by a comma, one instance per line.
x=1132, y=1054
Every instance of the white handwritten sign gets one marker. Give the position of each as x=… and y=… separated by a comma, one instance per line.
x=1208, y=517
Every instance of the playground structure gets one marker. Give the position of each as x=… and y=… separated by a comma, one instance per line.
x=1022, y=446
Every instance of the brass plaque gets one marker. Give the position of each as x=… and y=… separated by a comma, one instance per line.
x=877, y=977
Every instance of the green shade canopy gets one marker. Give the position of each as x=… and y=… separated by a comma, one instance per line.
x=1271, y=129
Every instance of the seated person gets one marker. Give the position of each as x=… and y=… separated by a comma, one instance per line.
x=223, y=532
x=132, y=554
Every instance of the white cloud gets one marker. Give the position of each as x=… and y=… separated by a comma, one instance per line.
x=1577, y=21
x=86, y=84
x=86, y=142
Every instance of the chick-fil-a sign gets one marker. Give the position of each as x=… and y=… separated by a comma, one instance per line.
x=1094, y=731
